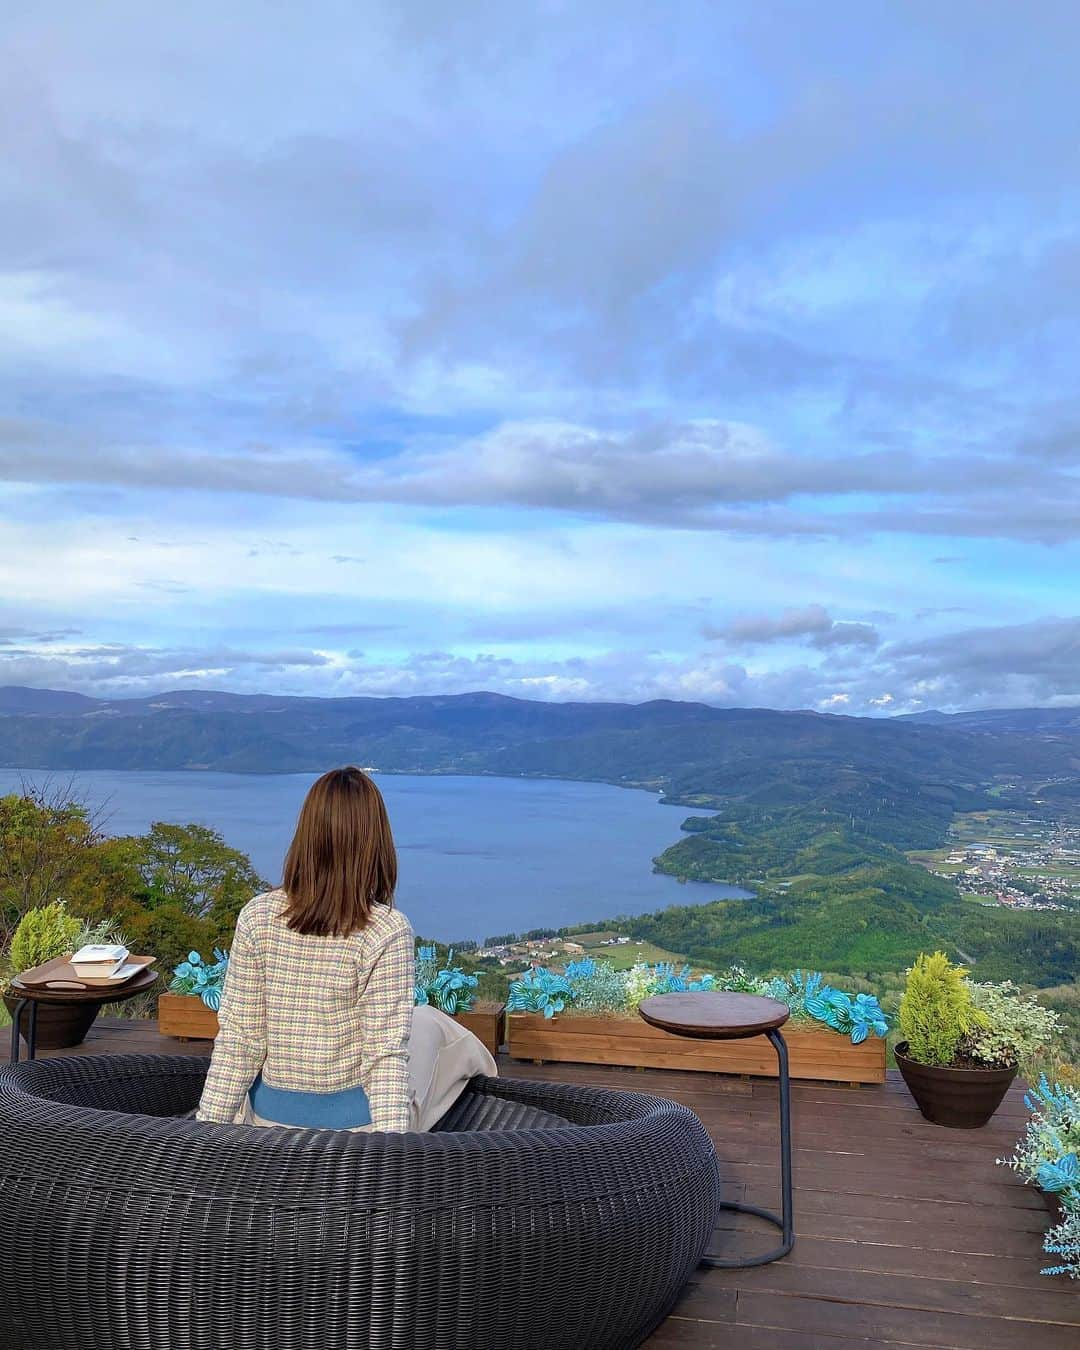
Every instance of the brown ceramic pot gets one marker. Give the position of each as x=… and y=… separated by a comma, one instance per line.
x=59, y=1025
x=962, y=1099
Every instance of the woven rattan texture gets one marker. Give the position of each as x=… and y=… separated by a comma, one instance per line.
x=125, y=1228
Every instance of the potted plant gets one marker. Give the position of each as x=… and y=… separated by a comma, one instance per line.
x=962, y=1043
x=189, y=1009
x=45, y=932
x=588, y=1015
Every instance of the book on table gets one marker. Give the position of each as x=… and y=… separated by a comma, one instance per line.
x=99, y=961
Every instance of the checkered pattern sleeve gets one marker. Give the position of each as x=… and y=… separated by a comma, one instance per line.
x=386, y=1008
x=240, y=1048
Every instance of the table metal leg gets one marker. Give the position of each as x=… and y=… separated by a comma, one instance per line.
x=31, y=1031
x=16, y=1018
x=785, y=1220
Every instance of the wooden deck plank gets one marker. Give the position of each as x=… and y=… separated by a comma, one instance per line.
x=921, y=1293
x=908, y=1235
x=683, y=1332
x=898, y=1326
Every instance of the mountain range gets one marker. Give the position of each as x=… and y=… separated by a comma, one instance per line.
x=685, y=748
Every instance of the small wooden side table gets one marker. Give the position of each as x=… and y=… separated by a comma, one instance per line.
x=32, y=995
x=728, y=1017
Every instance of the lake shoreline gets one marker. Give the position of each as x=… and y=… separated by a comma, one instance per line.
x=479, y=852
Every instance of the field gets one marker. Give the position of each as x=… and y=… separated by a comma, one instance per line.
x=629, y=954
x=935, y=860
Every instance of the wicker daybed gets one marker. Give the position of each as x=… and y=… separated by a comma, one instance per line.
x=535, y=1214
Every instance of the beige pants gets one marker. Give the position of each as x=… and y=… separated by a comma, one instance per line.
x=443, y=1056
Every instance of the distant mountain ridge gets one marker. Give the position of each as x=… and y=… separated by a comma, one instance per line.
x=753, y=753
x=1064, y=720
x=16, y=699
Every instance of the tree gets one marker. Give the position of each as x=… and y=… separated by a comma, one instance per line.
x=191, y=870
x=176, y=889
x=170, y=933
x=52, y=848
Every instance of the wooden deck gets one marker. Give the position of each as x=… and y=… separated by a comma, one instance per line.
x=907, y=1234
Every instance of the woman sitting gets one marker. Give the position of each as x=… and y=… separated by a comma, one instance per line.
x=317, y=1024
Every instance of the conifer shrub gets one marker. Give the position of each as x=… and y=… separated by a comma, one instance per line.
x=48, y=931
x=937, y=1010
x=43, y=933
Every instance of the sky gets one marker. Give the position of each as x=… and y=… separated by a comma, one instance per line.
x=593, y=350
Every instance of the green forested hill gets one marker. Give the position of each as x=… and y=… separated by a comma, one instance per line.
x=836, y=890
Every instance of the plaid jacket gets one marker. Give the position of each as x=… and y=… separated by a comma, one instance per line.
x=315, y=1014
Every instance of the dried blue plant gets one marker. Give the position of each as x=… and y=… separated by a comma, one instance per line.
x=597, y=986
x=1063, y=1239
x=667, y=980
x=1046, y=1156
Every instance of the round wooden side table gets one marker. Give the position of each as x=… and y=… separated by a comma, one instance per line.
x=728, y=1017
x=33, y=995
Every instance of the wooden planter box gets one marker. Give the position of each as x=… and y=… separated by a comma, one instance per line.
x=186, y=1017
x=189, y=1019
x=629, y=1041
x=487, y=1022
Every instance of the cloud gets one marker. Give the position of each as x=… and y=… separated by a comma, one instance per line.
x=706, y=474
x=1027, y=663
x=123, y=667
x=1007, y=666
x=10, y=635
x=848, y=635
x=793, y=623
x=519, y=326
x=813, y=622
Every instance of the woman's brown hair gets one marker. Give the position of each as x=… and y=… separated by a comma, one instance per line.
x=342, y=859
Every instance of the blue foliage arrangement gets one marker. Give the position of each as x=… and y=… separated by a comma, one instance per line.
x=1060, y=1177
x=447, y=988
x=196, y=976
x=595, y=986
x=1048, y=1156
x=667, y=980
x=540, y=990
x=857, y=1017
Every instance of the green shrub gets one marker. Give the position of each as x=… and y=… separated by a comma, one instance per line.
x=1018, y=1028
x=43, y=932
x=937, y=1010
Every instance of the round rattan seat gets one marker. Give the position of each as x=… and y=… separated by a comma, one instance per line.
x=533, y=1212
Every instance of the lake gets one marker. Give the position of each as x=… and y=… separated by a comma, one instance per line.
x=477, y=856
